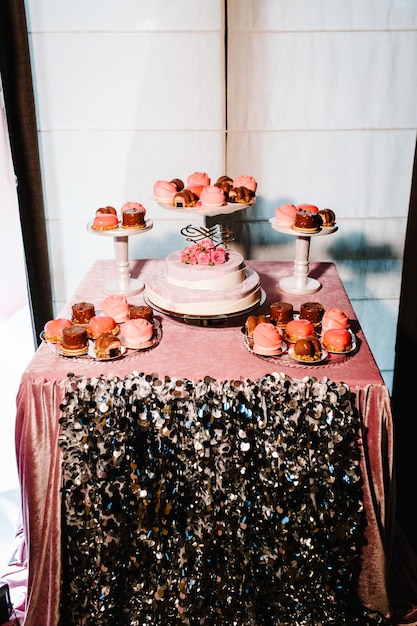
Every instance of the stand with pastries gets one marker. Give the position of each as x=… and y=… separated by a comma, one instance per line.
x=301, y=282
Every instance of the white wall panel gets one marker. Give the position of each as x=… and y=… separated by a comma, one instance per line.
x=125, y=15
x=305, y=15
x=329, y=80
x=152, y=81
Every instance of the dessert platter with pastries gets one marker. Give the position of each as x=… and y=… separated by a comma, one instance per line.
x=199, y=194
x=311, y=336
x=130, y=221
x=116, y=330
x=205, y=283
x=303, y=222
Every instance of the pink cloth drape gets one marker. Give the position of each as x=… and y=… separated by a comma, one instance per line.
x=377, y=471
x=39, y=463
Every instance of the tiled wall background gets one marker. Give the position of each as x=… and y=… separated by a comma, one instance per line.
x=321, y=108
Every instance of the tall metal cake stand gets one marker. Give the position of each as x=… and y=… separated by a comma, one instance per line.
x=300, y=282
x=122, y=284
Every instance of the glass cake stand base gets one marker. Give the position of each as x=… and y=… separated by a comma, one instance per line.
x=119, y=288
x=292, y=284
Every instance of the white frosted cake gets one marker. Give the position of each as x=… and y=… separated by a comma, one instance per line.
x=223, y=288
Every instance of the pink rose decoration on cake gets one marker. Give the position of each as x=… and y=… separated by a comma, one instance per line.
x=218, y=256
x=204, y=253
x=246, y=181
x=203, y=257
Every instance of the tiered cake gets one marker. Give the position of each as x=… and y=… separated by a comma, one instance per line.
x=204, y=280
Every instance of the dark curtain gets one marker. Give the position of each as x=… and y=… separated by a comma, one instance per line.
x=16, y=76
x=403, y=399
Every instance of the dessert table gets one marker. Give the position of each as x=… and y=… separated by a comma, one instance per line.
x=198, y=474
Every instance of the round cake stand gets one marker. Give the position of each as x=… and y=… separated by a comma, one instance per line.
x=300, y=282
x=122, y=284
x=226, y=209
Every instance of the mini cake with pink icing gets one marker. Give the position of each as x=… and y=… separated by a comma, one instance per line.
x=267, y=339
x=105, y=221
x=165, y=190
x=117, y=307
x=199, y=179
x=246, y=181
x=212, y=196
x=285, y=215
x=196, y=190
x=337, y=340
x=137, y=333
x=298, y=329
x=334, y=318
x=52, y=331
x=101, y=324
x=204, y=280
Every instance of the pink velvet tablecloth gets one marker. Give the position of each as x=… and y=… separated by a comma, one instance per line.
x=194, y=352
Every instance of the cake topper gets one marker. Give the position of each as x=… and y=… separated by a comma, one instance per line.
x=218, y=234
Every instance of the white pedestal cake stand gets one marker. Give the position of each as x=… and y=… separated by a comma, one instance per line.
x=122, y=284
x=226, y=209
x=300, y=282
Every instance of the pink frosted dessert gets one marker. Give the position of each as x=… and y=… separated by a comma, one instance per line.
x=53, y=329
x=246, y=181
x=334, y=318
x=285, y=215
x=267, y=338
x=164, y=191
x=298, y=329
x=137, y=332
x=198, y=179
x=106, y=221
x=101, y=324
x=116, y=307
x=212, y=196
x=196, y=189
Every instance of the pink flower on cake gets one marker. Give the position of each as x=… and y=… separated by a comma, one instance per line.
x=218, y=256
x=203, y=253
x=203, y=257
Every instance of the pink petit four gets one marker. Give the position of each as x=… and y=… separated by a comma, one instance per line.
x=117, y=307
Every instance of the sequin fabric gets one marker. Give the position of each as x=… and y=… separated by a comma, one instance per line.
x=210, y=503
